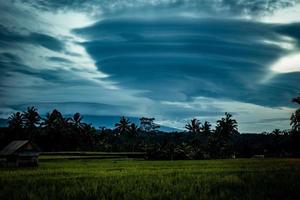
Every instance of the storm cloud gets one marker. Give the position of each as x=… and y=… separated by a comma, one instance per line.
x=173, y=60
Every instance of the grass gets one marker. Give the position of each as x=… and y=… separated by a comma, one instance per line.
x=139, y=179
x=89, y=155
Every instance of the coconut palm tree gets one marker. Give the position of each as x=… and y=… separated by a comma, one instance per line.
x=53, y=120
x=133, y=133
x=87, y=134
x=123, y=126
x=295, y=118
x=227, y=127
x=194, y=126
x=31, y=120
x=16, y=125
x=220, y=143
x=276, y=132
x=76, y=120
x=55, y=127
x=16, y=121
x=206, y=128
x=133, y=130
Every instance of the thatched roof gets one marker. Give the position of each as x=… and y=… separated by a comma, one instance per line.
x=12, y=147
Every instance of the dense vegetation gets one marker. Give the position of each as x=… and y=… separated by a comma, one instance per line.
x=131, y=179
x=57, y=133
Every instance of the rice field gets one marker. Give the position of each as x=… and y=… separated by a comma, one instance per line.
x=131, y=179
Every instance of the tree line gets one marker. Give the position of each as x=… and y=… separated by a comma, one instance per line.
x=54, y=132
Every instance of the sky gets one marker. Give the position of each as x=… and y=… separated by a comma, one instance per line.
x=169, y=59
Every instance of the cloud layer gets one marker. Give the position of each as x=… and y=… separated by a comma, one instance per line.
x=173, y=60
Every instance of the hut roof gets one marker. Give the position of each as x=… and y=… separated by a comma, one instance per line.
x=12, y=147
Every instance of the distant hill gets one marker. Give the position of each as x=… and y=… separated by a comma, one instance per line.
x=106, y=121
x=110, y=121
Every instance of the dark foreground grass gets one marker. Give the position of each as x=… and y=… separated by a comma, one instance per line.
x=133, y=179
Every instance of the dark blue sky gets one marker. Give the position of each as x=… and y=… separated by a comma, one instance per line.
x=170, y=59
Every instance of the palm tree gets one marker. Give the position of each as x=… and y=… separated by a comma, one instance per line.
x=87, y=131
x=276, y=132
x=295, y=118
x=31, y=117
x=133, y=133
x=206, y=130
x=16, y=121
x=76, y=120
x=55, y=127
x=194, y=126
x=123, y=125
x=227, y=127
x=54, y=120
x=16, y=124
x=277, y=141
x=220, y=143
x=133, y=130
x=31, y=120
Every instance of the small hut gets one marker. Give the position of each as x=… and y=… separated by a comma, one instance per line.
x=21, y=153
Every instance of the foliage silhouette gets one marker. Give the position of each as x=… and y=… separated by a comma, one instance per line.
x=123, y=126
x=206, y=128
x=16, y=124
x=31, y=119
x=56, y=133
x=295, y=118
x=148, y=125
x=194, y=126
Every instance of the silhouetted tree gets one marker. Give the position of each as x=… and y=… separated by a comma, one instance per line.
x=133, y=133
x=75, y=137
x=206, y=128
x=123, y=126
x=31, y=120
x=55, y=126
x=16, y=125
x=15, y=121
x=53, y=120
x=295, y=118
x=295, y=132
x=87, y=132
x=133, y=130
x=276, y=146
x=221, y=141
x=57, y=133
x=276, y=132
x=206, y=133
x=76, y=120
x=148, y=125
x=227, y=127
x=194, y=126
x=199, y=137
